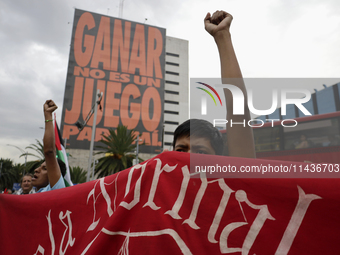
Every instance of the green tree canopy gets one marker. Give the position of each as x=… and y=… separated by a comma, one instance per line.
x=38, y=152
x=37, y=148
x=78, y=175
x=9, y=173
x=119, y=151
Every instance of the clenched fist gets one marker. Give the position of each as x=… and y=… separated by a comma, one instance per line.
x=219, y=22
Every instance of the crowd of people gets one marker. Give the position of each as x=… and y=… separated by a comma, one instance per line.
x=49, y=175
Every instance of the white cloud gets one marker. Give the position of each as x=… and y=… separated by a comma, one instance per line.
x=272, y=38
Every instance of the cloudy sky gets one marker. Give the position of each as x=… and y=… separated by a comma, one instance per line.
x=272, y=38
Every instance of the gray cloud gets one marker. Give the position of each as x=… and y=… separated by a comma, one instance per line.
x=35, y=38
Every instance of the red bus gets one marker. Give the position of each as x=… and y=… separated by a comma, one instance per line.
x=315, y=138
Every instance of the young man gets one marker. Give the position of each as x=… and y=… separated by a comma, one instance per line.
x=198, y=136
x=48, y=176
x=26, y=185
x=240, y=139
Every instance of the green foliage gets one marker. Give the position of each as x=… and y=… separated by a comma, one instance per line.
x=38, y=148
x=32, y=165
x=78, y=175
x=9, y=173
x=39, y=154
x=119, y=151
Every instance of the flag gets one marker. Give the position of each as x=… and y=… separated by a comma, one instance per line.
x=158, y=207
x=61, y=153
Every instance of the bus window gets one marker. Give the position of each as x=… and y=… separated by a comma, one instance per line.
x=313, y=134
x=267, y=139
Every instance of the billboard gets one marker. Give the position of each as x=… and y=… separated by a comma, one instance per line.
x=125, y=60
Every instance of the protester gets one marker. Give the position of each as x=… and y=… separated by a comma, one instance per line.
x=26, y=185
x=198, y=136
x=7, y=191
x=205, y=138
x=48, y=176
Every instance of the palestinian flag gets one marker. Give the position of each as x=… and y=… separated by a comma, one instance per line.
x=61, y=153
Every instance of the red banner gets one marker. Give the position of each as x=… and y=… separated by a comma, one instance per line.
x=156, y=208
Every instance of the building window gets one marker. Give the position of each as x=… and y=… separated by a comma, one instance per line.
x=171, y=112
x=172, y=54
x=171, y=64
x=172, y=92
x=171, y=122
x=172, y=82
x=170, y=102
x=173, y=73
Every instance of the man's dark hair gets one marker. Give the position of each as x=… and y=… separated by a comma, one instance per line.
x=200, y=128
x=62, y=167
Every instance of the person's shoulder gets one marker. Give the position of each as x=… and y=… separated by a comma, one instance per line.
x=18, y=192
x=47, y=188
x=60, y=184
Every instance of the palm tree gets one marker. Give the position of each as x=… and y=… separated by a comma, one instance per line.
x=78, y=175
x=119, y=151
x=39, y=149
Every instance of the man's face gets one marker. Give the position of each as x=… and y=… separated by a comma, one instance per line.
x=193, y=144
x=40, y=178
x=26, y=184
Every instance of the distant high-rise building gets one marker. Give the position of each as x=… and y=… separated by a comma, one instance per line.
x=176, y=92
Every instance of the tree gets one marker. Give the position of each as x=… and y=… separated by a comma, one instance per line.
x=78, y=175
x=119, y=151
x=9, y=173
x=39, y=149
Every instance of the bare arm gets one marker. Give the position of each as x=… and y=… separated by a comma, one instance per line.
x=240, y=139
x=53, y=170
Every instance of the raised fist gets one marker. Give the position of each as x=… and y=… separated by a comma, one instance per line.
x=219, y=22
x=50, y=106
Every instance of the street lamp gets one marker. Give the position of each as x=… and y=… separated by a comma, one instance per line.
x=23, y=152
x=136, y=160
x=80, y=126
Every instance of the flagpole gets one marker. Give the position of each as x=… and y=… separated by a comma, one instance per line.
x=98, y=97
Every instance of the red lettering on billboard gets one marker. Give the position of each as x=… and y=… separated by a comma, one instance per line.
x=102, y=49
x=113, y=89
x=130, y=90
x=121, y=46
x=69, y=131
x=151, y=94
x=138, y=57
x=83, y=57
x=125, y=61
x=72, y=116
x=155, y=48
